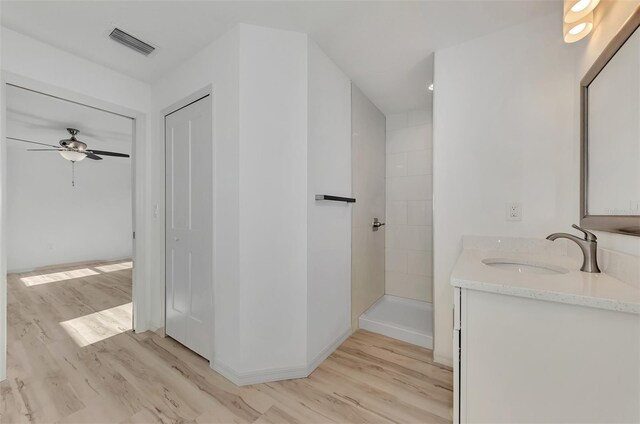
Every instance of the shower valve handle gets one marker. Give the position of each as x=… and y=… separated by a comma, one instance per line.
x=376, y=224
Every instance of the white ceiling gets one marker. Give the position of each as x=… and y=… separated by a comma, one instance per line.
x=384, y=46
x=44, y=119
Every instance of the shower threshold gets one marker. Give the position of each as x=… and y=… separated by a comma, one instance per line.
x=403, y=319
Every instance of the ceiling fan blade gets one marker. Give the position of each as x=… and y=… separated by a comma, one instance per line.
x=32, y=142
x=92, y=156
x=103, y=153
x=44, y=150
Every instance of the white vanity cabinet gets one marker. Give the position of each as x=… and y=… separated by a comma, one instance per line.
x=521, y=359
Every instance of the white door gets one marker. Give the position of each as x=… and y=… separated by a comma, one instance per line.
x=189, y=226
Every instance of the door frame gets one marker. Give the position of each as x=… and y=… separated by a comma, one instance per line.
x=174, y=107
x=141, y=182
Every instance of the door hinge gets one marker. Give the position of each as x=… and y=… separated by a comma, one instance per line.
x=134, y=235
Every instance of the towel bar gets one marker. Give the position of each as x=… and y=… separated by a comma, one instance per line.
x=335, y=198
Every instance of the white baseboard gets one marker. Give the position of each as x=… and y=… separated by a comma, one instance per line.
x=277, y=374
x=443, y=360
x=45, y=268
x=259, y=376
x=324, y=353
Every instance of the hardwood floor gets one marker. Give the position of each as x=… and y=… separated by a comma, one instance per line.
x=73, y=358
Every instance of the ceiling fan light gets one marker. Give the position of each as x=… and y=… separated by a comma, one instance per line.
x=72, y=156
x=575, y=10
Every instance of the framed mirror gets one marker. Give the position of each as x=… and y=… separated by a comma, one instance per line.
x=610, y=136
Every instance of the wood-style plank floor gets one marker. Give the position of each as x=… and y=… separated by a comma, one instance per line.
x=72, y=358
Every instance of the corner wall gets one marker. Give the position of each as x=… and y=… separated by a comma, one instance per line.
x=281, y=283
x=329, y=223
x=273, y=198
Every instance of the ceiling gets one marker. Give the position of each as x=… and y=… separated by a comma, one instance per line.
x=44, y=119
x=385, y=47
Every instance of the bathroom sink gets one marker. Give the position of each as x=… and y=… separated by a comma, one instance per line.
x=524, y=267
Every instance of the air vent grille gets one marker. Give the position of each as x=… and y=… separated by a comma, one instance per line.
x=130, y=41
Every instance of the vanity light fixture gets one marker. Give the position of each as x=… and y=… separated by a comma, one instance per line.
x=578, y=19
x=575, y=10
x=577, y=30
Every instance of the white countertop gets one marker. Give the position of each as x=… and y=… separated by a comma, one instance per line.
x=575, y=287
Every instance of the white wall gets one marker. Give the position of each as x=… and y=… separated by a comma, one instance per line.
x=503, y=132
x=506, y=128
x=329, y=223
x=273, y=197
x=50, y=222
x=368, y=173
x=216, y=65
x=33, y=59
x=409, y=241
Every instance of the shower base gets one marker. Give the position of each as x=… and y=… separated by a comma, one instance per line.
x=403, y=319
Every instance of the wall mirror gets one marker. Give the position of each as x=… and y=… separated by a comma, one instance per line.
x=610, y=136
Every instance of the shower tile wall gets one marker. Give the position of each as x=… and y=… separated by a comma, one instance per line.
x=368, y=179
x=409, y=176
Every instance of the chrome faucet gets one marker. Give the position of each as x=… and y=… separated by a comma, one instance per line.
x=588, y=245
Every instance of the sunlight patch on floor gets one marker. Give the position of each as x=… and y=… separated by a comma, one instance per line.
x=115, y=267
x=92, y=328
x=36, y=280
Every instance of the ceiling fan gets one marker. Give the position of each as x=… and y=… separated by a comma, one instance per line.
x=72, y=150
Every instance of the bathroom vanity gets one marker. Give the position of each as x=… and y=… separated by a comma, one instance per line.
x=537, y=340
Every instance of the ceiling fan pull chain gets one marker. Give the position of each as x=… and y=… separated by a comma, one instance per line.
x=73, y=173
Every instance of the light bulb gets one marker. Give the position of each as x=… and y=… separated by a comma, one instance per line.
x=580, y=6
x=576, y=31
x=578, y=28
x=576, y=10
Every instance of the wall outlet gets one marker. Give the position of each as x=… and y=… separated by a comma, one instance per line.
x=514, y=211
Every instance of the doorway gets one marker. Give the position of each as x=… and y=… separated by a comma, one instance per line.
x=138, y=180
x=189, y=225
x=69, y=208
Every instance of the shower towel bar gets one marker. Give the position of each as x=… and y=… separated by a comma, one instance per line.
x=335, y=198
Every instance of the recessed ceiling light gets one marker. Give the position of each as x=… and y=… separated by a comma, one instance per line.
x=430, y=88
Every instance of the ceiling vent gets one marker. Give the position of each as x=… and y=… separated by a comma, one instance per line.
x=130, y=41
